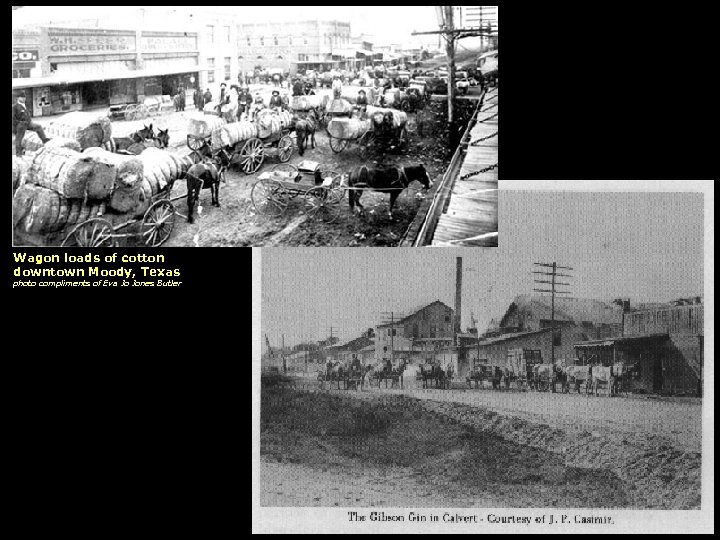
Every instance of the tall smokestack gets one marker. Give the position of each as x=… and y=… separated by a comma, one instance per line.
x=458, y=294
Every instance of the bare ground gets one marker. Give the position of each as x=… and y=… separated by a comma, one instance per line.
x=378, y=449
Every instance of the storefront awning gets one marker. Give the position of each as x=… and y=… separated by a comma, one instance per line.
x=621, y=340
x=54, y=80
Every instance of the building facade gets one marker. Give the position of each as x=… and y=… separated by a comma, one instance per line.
x=405, y=336
x=292, y=46
x=666, y=341
x=88, y=68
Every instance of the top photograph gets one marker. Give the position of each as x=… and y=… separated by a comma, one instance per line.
x=203, y=126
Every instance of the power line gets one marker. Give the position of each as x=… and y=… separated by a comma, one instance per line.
x=553, y=291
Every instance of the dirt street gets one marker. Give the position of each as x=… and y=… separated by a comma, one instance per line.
x=236, y=223
x=321, y=448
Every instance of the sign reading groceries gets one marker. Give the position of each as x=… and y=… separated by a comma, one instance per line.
x=67, y=43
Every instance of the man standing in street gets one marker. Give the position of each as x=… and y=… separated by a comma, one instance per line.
x=22, y=121
x=207, y=97
x=198, y=99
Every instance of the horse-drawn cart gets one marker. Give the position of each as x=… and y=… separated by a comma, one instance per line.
x=155, y=226
x=274, y=190
x=249, y=143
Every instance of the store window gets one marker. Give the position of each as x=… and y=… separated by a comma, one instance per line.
x=275, y=40
x=248, y=40
x=290, y=40
x=227, y=34
x=211, y=70
x=210, y=33
x=262, y=41
x=227, y=68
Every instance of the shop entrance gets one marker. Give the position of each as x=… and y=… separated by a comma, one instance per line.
x=95, y=95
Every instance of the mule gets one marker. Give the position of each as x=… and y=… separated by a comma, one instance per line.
x=205, y=175
x=391, y=180
x=305, y=129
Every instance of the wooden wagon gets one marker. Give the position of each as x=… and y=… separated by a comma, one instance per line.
x=251, y=149
x=272, y=193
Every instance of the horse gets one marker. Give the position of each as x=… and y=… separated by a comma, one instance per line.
x=603, y=375
x=305, y=129
x=391, y=180
x=205, y=175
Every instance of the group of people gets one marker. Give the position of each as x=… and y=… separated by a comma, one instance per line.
x=237, y=103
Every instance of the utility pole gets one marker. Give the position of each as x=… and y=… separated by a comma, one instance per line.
x=450, y=51
x=284, y=359
x=553, y=283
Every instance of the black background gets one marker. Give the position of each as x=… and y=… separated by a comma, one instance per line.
x=590, y=91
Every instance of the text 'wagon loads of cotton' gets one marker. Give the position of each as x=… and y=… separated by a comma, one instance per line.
x=88, y=129
x=348, y=128
x=231, y=134
x=204, y=126
x=128, y=169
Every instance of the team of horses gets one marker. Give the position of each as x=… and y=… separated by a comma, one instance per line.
x=614, y=380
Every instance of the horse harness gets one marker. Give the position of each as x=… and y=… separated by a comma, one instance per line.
x=398, y=181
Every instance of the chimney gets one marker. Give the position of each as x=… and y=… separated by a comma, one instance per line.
x=458, y=295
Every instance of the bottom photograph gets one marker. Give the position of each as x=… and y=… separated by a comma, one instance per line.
x=563, y=368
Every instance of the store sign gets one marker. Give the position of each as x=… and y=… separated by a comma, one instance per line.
x=151, y=44
x=29, y=55
x=76, y=44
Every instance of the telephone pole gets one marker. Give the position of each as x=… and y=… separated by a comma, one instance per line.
x=553, y=292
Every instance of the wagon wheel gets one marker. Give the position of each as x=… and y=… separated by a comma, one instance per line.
x=253, y=154
x=336, y=191
x=195, y=143
x=285, y=148
x=158, y=223
x=366, y=143
x=338, y=145
x=405, y=105
x=269, y=197
x=95, y=232
x=141, y=112
x=130, y=112
x=318, y=205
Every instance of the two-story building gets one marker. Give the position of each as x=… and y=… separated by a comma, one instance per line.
x=417, y=333
x=294, y=45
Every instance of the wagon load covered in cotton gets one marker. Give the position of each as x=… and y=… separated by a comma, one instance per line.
x=211, y=107
x=204, y=126
x=31, y=142
x=305, y=103
x=71, y=174
x=160, y=168
x=20, y=169
x=127, y=195
x=377, y=114
x=348, y=128
x=339, y=106
x=88, y=129
x=231, y=134
x=271, y=122
x=39, y=210
x=350, y=93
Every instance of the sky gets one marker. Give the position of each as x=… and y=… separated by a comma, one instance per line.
x=647, y=247
x=389, y=24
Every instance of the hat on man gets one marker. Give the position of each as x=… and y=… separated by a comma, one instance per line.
x=361, y=92
x=275, y=93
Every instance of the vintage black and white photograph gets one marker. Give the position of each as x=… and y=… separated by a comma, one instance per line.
x=561, y=370
x=344, y=126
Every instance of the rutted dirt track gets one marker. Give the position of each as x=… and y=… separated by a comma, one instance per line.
x=380, y=449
